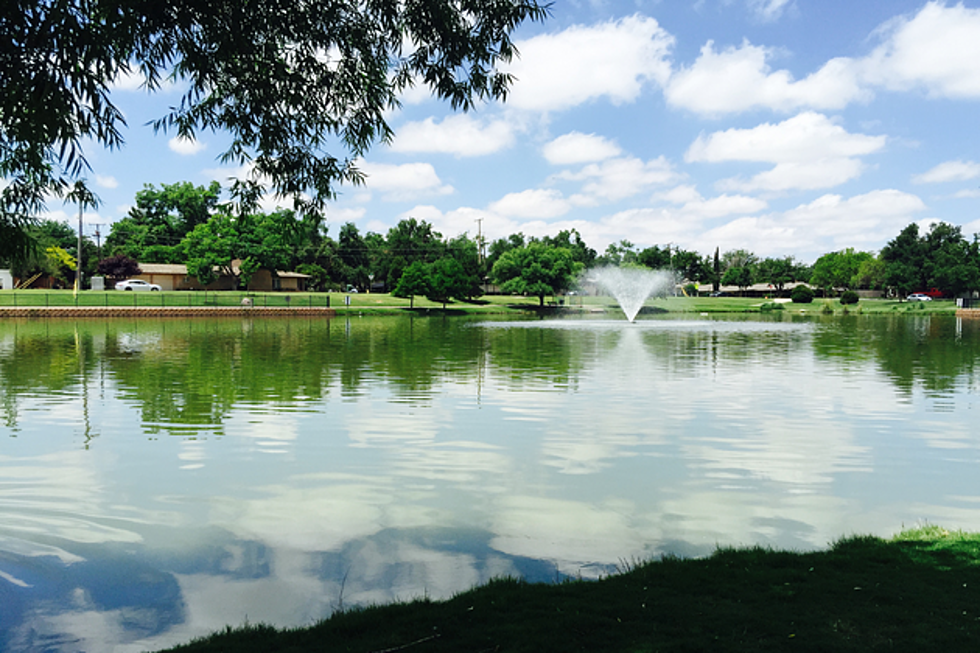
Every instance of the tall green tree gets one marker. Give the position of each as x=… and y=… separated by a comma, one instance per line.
x=716, y=272
x=777, y=272
x=501, y=245
x=742, y=258
x=904, y=258
x=655, y=258
x=414, y=281
x=838, y=270
x=870, y=274
x=152, y=230
x=378, y=260
x=691, y=266
x=447, y=280
x=265, y=240
x=408, y=241
x=288, y=83
x=951, y=262
x=619, y=253
x=536, y=270
x=467, y=252
x=739, y=275
x=572, y=240
x=354, y=264
x=211, y=247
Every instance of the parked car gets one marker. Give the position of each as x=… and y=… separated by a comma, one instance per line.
x=136, y=284
x=719, y=293
x=918, y=297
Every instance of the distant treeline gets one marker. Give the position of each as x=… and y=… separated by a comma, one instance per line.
x=187, y=224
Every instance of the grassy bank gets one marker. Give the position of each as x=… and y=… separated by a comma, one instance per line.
x=490, y=304
x=919, y=591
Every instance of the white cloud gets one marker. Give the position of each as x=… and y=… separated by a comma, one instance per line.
x=763, y=236
x=399, y=182
x=870, y=217
x=809, y=150
x=935, y=50
x=460, y=135
x=811, y=175
x=620, y=178
x=740, y=79
x=340, y=216
x=693, y=204
x=723, y=205
x=678, y=195
x=769, y=10
x=185, y=146
x=576, y=147
x=70, y=217
x=464, y=220
x=949, y=171
x=130, y=80
x=829, y=223
x=538, y=203
x=805, y=137
x=106, y=181
x=227, y=174
x=584, y=63
x=643, y=225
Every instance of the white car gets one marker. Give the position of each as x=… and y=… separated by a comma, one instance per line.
x=918, y=297
x=136, y=284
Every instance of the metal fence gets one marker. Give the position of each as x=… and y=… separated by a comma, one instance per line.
x=117, y=298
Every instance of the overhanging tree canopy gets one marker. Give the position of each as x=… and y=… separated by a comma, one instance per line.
x=302, y=87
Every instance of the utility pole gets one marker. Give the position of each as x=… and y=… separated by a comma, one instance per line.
x=479, y=254
x=83, y=197
x=479, y=240
x=78, y=264
x=98, y=239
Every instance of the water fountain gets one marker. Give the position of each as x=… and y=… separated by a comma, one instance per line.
x=632, y=286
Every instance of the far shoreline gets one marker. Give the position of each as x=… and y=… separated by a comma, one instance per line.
x=64, y=304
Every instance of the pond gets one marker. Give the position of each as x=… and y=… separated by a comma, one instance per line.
x=161, y=479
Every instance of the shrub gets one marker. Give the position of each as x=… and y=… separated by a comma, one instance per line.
x=118, y=267
x=771, y=306
x=849, y=297
x=802, y=295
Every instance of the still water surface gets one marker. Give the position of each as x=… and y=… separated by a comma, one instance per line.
x=159, y=480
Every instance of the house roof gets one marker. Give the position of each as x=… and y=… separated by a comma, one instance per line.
x=163, y=268
x=181, y=269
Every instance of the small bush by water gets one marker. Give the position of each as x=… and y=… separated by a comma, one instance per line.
x=802, y=295
x=919, y=591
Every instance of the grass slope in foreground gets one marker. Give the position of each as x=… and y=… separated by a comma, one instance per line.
x=919, y=591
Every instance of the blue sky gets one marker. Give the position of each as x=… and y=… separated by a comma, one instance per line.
x=786, y=127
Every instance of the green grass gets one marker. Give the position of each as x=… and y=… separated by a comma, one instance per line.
x=387, y=304
x=919, y=591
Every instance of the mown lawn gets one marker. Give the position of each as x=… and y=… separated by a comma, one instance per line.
x=386, y=303
x=919, y=591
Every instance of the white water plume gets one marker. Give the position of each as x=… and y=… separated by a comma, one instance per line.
x=632, y=286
